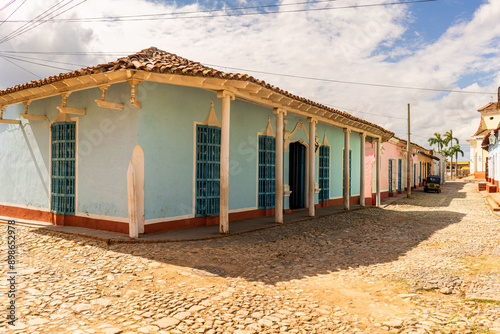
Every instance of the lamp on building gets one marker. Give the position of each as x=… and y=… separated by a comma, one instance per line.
x=492, y=138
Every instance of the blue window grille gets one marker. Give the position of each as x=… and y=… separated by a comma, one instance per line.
x=420, y=172
x=428, y=168
x=267, y=171
x=415, y=175
x=350, y=172
x=390, y=176
x=207, y=170
x=63, y=168
x=324, y=173
x=399, y=174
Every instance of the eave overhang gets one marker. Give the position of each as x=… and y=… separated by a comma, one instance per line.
x=243, y=90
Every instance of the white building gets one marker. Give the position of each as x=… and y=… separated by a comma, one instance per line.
x=490, y=120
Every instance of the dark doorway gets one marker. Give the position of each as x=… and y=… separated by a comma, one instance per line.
x=297, y=164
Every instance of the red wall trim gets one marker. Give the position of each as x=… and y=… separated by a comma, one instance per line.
x=480, y=175
x=24, y=213
x=338, y=201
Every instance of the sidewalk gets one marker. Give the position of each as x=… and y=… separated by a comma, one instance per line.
x=194, y=233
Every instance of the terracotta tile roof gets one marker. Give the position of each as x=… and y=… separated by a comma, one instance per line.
x=404, y=142
x=155, y=60
x=482, y=132
x=489, y=106
x=481, y=128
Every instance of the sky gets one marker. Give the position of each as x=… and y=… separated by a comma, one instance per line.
x=358, y=57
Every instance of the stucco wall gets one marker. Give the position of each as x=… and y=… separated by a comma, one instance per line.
x=24, y=163
x=106, y=140
x=167, y=124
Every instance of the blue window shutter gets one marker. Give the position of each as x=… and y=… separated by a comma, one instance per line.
x=207, y=170
x=63, y=171
x=399, y=174
x=390, y=176
x=324, y=173
x=267, y=171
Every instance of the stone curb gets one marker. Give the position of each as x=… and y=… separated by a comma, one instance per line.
x=145, y=241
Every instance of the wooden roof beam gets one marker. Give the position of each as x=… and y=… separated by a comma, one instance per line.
x=263, y=94
x=238, y=84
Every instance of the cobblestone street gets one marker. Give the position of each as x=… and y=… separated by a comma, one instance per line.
x=422, y=265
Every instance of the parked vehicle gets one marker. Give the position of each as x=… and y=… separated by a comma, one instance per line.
x=433, y=183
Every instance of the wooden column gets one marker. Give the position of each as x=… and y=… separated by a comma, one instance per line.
x=312, y=155
x=226, y=97
x=278, y=211
x=378, y=162
x=347, y=147
x=362, y=176
x=133, y=226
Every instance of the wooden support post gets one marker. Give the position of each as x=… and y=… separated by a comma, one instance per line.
x=378, y=168
x=362, y=174
x=138, y=163
x=133, y=100
x=278, y=211
x=7, y=121
x=105, y=104
x=224, y=161
x=312, y=167
x=132, y=202
x=347, y=148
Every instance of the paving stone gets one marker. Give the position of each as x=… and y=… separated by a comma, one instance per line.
x=166, y=322
x=436, y=250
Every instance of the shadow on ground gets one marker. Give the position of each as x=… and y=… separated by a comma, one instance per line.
x=450, y=191
x=308, y=248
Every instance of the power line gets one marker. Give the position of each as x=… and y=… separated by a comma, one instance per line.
x=32, y=62
x=59, y=53
x=32, y=21
x=354, y=82
x=255, y=71
x=15, y=10
x=43, y=60
x=150, y=18
x=7, y=4
x=26, y=27
x=90, y=19
x=364, y=112
x=19, y=66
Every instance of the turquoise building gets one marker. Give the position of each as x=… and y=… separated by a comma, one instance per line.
x=153, y=142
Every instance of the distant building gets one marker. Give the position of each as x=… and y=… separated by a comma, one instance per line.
x=490, y=120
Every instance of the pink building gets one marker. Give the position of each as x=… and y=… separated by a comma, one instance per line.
x=393, y=169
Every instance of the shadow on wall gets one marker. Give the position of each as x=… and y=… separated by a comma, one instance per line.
x=308, y=248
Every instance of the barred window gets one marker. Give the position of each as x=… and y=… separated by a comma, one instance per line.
x=267, y=171
x=63, y=168
x=207, y=170
x=324, y=173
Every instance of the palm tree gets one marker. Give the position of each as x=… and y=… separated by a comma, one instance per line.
x=436, y=140
x=455, y=149
x=448, y=140
x=447, y=153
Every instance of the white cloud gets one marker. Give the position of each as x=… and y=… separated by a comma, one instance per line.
x=336, y=44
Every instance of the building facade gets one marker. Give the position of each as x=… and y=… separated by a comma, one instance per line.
x=154, y=142
x=490, y=120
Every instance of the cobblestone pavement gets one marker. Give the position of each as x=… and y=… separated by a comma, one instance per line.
x=422, y=265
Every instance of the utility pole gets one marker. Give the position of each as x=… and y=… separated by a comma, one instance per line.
x=408, y=159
